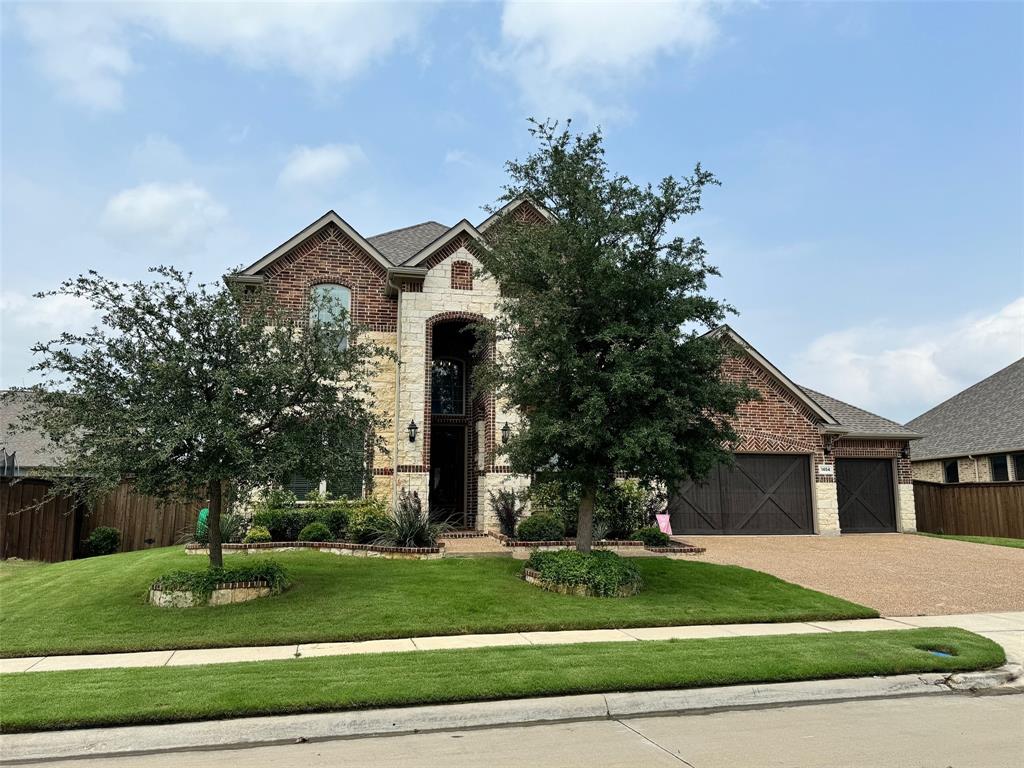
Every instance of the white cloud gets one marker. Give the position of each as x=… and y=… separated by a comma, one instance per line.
x=566, y=57
x=456, y=157
x=900, y=372
x=87, y=48
x=319, y=165
x=166, y=215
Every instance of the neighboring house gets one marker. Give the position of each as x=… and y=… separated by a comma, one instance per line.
x=806, y=463
x=976, y=436
x=21, y=453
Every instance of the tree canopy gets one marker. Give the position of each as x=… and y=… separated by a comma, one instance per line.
x=187, y=389
x=603, y=321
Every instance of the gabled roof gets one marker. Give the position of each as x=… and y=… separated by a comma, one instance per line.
x=859, y=422
x=985, y=418
x=511, y=206
x=398, y=245
x=462, y=228
x=779, y=376
x=326, y=220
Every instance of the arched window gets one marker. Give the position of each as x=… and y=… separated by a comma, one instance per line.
x=330, y=304
x=448, y=387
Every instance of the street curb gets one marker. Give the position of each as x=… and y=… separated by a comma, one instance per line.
x=263, y=731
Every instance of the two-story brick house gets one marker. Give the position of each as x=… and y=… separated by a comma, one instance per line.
x=806, y=463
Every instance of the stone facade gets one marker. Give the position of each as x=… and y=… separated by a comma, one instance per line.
x=400, y=313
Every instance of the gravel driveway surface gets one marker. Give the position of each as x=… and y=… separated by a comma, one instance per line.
x=897, y=574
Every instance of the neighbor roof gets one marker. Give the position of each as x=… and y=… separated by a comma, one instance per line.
x=985, y=418
x=31, y=449
x=399, y=245
x=859, y=422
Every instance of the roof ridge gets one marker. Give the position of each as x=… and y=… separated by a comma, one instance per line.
x=411, y=226
x=964, y=391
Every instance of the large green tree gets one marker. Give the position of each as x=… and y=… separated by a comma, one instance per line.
x=602, y=325
x=188, y=389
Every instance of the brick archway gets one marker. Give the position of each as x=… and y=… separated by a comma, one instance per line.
x=478, y=408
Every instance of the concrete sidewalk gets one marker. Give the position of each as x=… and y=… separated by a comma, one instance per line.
x=1007, y=629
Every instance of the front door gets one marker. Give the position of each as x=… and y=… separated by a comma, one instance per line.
x=448, y=474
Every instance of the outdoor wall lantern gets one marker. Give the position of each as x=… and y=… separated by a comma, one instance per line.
x=412, y=431
x=828, y=446
x=506, y=433
x=904, y=452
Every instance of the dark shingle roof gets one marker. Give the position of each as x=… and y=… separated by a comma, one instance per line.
x=985, y=418
x=858, y=421
x=399, y=244
x=32, y=449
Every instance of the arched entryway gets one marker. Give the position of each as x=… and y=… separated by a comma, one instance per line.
x=453, y=412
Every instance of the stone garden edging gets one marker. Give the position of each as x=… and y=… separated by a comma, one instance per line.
x=611, y=544
x=580, y=590
x=223, y=594
x=343, y=548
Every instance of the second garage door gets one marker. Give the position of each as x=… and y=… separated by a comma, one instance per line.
x=866, y=503
x=760, y=493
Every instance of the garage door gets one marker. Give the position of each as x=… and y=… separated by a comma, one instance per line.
x=866, y=503
x=760, y=493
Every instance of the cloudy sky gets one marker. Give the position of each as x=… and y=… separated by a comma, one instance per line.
x=870, y=226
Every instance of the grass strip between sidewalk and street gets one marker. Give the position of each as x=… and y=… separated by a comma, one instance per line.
x=99, y=605
x=999, y=541
x=35, y=701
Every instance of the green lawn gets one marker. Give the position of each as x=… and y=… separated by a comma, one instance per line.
x=50, y=700
x=99, y=605
x=999, y=541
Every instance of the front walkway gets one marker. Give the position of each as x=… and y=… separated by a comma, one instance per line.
x=896, y=574
x=1007, y=629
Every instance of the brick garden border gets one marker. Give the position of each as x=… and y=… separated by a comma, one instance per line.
x=343, y=548
x=531, y=576
x=225, y=593
x=601, y=544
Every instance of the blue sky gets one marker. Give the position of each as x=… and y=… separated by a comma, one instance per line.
x=870, y=226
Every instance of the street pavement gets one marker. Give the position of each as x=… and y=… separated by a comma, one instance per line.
x=951, y=731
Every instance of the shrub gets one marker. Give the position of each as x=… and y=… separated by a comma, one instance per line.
x=284, y=523
x=557, y=498
x=604, y=573
x=232, y=529
x=103, y=541
x=508, y=508
x=257, y=534
x=367, y=518
x=408, y=526
x=279, y=498
x=540, y=527
x=202, y=583
x=333, y=514
x=652, y=537
x=622, y=509
x=316, y=532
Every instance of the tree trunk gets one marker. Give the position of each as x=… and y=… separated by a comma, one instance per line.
x=213, y=523
x=585, y=521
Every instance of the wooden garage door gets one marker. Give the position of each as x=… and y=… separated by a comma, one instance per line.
x=866, y=503
x=760, y=493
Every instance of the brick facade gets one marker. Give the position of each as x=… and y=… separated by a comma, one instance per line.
x=453, y=289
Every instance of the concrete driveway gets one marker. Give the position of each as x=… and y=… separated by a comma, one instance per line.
x=897, y=574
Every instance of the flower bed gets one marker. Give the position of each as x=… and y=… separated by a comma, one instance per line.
x=551, y=546
x=218, y=586
x=223, y=594
x=597, y=574
x=342, y=548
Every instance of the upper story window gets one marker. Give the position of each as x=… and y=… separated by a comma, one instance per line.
x=330, y=304
x=1000, y=468
x=1018, y=466
x=448, y=387
x=951, y=471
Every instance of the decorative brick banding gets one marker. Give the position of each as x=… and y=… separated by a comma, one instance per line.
x=531, y=576
x=462, y=276
x=343, y=548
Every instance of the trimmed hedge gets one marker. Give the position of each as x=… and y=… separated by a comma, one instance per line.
x=286, y=523
x=104, y=540
x=256, y=535
x=604, y=573
x=368, y=522
x=202, y=583
x=316, y=531
x=540, y=527
x=652, y=537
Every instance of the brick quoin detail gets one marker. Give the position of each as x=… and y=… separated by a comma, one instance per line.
x=330, y=256
x=462, y=276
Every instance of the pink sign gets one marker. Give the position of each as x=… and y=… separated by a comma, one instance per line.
x=664, y=524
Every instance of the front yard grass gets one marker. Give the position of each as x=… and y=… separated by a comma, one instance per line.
x=51, y=700
x=99, y=605
x=999, y=541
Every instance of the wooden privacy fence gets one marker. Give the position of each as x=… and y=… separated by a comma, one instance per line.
x=970, y=509
x=55, y=531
